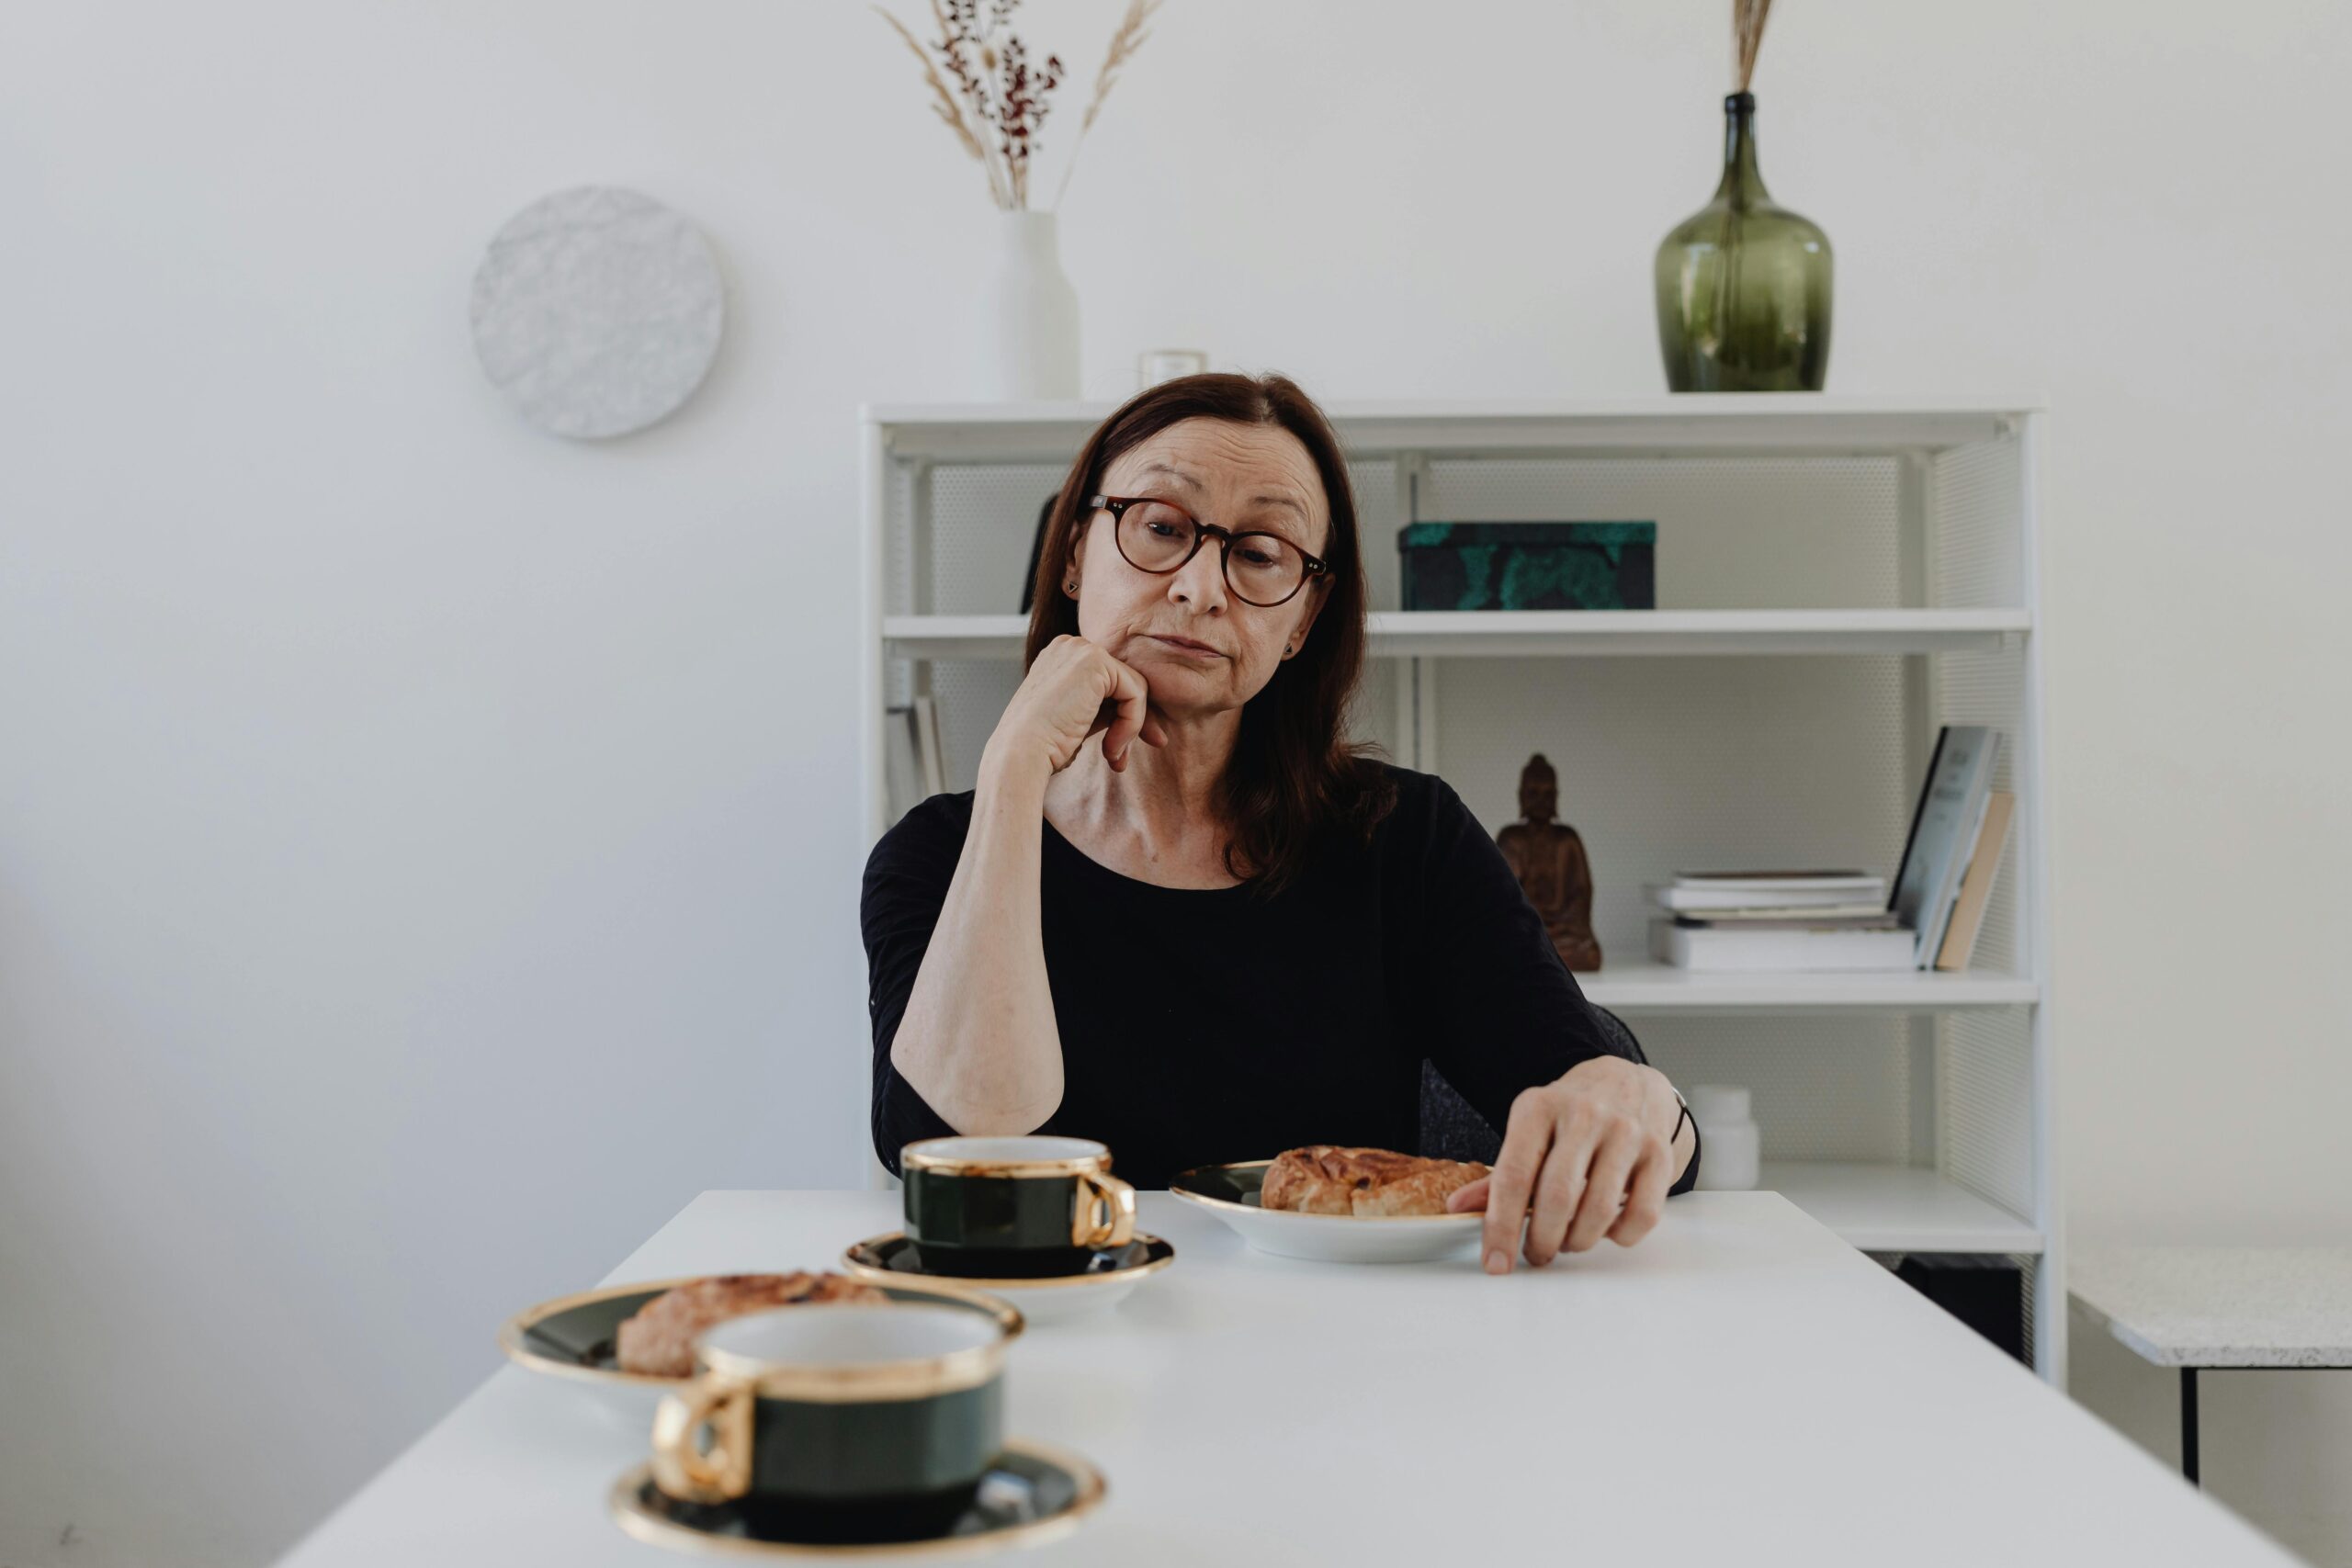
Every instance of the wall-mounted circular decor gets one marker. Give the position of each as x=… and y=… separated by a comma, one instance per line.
x=599, y=311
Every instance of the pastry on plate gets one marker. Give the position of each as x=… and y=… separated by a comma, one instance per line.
x=659, y=1341
x=1324, y=1178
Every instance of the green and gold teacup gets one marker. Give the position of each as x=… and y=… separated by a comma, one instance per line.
x=839, y=1422
x=1013, y=1208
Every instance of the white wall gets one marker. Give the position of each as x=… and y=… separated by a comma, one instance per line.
x=428, y=851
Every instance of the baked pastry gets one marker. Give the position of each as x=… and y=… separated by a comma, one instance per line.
x=659, y=1340
x=1323, y=1179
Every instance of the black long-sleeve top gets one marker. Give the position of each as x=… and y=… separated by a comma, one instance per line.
x=1200, y=1026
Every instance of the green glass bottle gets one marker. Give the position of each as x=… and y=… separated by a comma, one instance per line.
x=1742, y=283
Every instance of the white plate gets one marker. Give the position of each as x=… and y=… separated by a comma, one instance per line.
x=1231, y=1192
x=892, y=1260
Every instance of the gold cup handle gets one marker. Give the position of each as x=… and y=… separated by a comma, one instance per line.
x=1107, y=1211
x=681, y=1466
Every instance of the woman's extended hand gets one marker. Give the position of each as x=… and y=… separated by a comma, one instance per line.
x=1073, y=690
x=1583, y=1157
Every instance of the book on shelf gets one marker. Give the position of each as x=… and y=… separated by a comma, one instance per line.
x=1868, y=899
x=901, y=762
x=1767, y=908
x=1036, y=549
x=914, y=764
x=1976, y=886
x=927, y=747
x=1793, y=920
x=1772, y=878
x=1944, y=829
x=1780, y=949
x=1803, y=914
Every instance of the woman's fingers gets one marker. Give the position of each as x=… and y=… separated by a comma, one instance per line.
x=1605, y=1194
x=1074, y=692
x=1060, y=703
x=1470, y=1199
x=1645, y=1200
x=1525, y=1140
x=1567, y=1176
x=1580, y=1160
x=1131, y=697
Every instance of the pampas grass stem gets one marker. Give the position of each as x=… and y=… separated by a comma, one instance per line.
x=1747, y=38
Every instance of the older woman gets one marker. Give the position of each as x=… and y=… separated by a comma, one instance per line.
x=1222, y=930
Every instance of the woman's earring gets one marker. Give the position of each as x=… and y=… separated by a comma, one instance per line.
x=1071, y=586
x=1288, y=651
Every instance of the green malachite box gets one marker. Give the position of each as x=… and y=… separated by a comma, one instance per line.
x=1529, y=566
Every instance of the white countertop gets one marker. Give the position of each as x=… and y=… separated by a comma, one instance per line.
x=1742, y=1388
x=2221, y=1306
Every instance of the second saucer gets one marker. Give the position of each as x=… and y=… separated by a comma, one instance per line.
x=1109, y=1276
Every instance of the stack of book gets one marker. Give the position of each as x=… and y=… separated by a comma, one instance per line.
x=1751, y=921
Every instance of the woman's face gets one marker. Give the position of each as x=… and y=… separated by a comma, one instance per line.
x=1199, y=648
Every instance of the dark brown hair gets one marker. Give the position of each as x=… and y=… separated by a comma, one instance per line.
x=1295, y=783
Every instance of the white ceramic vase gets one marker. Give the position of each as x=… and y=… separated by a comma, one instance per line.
x=1028, y=314
x=1730, y=1145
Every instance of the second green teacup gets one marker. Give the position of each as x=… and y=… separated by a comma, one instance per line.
x=1013, y=1208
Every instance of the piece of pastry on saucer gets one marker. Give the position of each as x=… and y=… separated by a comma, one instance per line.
x=659, y=1341
x=1326, y=1178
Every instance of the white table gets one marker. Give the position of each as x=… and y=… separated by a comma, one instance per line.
x=2203, y=1308
x=1743, y=1388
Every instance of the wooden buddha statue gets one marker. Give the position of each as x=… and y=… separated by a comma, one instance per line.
x=1548, y=858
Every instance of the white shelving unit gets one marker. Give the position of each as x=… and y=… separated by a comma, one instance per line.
x=1837, y=577
x=1537, y=634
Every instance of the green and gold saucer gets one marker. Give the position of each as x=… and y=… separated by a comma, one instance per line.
x=573, y=1337
x=1110, y=1275
x=1032, y=1494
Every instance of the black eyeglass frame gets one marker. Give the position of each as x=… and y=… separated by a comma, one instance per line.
x=1116, y=505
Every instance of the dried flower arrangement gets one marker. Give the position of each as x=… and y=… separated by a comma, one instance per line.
x=985, y=89
x=1747, y=38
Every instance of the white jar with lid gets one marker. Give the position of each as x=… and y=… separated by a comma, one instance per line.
x=1730, y=1147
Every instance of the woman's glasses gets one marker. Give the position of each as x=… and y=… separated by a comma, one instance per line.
x=1159, y=537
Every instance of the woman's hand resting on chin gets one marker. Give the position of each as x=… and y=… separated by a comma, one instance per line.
x=1072, y=691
